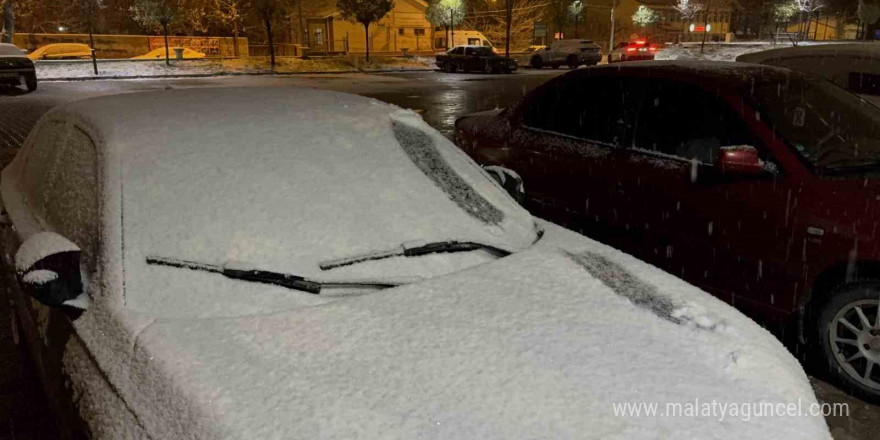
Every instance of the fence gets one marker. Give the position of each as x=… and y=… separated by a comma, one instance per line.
x=127, y=46
x=281, y=50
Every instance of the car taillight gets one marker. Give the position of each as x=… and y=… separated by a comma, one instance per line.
x=640, y=42
x=652, y=49
x=630, y=49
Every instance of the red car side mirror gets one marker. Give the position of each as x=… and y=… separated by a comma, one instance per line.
x=740, y=160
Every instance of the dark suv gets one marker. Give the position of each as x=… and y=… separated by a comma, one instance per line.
x=758, y=184
x=16, y=68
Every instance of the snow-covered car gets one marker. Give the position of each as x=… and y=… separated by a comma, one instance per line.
x=571, y=53
x=293, y=263
x=16, y=68
x=853, y=66
x=159, y=53
x=62, y=51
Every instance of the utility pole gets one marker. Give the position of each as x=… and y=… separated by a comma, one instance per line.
x=91, y=13
x=451, y=43
x=611, y=40
x=509, y=20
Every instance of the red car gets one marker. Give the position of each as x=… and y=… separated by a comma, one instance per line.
x=760, y=185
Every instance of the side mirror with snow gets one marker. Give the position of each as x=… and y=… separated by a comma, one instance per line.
x=47, y=266
x=740, y=160
x=509, y=180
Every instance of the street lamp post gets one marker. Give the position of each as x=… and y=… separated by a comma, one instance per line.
x=451, y=43
x=611, y=40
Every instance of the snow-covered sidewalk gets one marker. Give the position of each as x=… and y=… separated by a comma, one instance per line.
x=83, y=69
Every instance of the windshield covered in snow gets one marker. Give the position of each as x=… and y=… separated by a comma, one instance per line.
x=334, y=176
x=829, y=128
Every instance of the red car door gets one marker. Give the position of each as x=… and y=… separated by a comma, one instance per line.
x=567, y=138
x=731, y=235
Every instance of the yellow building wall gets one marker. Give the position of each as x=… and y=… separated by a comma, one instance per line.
x=393, y=33
x=824, y=29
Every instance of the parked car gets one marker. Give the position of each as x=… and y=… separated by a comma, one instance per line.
x=757, y=184
x=475, y=58
x=16, y=68
x=61, y=51
x=854, y=66
x=571, y=53
x=350, y=274
x=159, y=53
x=637, y=50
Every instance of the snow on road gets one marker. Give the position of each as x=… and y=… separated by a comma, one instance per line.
x=203, y=67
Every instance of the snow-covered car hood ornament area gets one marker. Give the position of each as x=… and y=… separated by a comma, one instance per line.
x=291, y=263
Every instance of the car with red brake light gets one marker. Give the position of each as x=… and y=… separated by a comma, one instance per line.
x=636, y=50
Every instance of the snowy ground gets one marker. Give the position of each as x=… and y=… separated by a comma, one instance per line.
x=718, y=51
x=204, y=67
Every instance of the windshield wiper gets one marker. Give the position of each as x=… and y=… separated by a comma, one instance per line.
x=414, y=249
x=289, y=281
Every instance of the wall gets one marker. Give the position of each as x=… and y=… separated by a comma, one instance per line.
x=127, y=46
x=824, y=29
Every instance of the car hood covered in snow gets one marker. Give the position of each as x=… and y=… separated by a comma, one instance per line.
x=540, y=344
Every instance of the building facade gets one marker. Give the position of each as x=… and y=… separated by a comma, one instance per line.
x=715, y=21
x=404, y=28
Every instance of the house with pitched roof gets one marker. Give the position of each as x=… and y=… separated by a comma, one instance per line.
x=405, y=27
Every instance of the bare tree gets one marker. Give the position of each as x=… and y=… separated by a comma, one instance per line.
x=230, y=13
x=807, y=8
x=492, y=21
x=8, y=21
x=687, y=10
x=267, y=11
x=157, y=13
x=365, y=12
x=446, y=13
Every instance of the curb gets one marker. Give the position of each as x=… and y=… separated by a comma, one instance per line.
x=221, y=74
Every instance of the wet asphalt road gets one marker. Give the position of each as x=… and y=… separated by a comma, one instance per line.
x=439, y=97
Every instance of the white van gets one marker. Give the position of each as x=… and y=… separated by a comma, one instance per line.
x=462, y=38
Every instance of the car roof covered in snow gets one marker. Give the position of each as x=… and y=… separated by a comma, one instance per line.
x=723, y=73
x=10, y=50
x=282, y=179
x=860, y=50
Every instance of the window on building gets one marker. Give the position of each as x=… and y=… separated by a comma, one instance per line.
x=401, y=31
x=420, y=32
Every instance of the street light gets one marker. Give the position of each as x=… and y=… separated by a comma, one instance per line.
x=62, y=29
x=576, y=9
